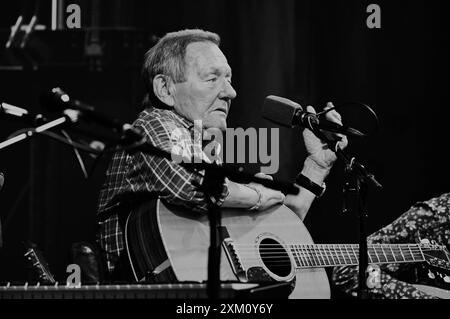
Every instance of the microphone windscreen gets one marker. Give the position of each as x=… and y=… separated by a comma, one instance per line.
x=280, y=110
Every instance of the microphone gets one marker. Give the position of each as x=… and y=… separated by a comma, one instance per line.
x=287, y=113
x=58, y=100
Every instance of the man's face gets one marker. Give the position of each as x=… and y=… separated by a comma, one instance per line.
x=207, y=92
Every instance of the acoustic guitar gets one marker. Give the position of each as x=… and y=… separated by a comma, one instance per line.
x=272, y=245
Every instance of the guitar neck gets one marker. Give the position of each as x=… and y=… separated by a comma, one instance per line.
x=323, y=255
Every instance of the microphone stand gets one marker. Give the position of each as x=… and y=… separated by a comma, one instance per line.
x=358, y=178
x=357, y=175
x=212, y=187
x=47, y=126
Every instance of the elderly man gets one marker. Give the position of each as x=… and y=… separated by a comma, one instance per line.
x=188, y=79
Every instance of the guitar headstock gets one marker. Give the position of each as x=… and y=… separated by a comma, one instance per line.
x=436, y=270
x=37, y=262
x=436, y=255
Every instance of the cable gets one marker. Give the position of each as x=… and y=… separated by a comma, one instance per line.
x=77, y=154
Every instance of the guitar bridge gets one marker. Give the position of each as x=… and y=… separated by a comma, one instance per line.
x=233, y=258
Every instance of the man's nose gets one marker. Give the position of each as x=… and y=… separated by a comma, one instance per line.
x=228, y=91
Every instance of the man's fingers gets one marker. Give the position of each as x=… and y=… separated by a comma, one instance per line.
x=262, y=175
x=276, y=200
x=310, y=109
x=280, y=196
x=333, y=115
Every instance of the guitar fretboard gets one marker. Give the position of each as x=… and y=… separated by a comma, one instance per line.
x=307, y=256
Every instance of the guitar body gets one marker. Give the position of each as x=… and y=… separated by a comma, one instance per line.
x=185, y=240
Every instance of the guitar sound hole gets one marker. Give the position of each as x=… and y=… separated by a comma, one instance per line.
x=275, y=257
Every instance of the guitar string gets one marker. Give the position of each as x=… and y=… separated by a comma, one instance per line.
x=325, y=250
x=274, y=256
x=329, y=249
x=311, y=260
x=334, y=249
x=307, y=256
x=334, y=246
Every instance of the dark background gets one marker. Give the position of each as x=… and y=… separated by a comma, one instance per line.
x=309, y=51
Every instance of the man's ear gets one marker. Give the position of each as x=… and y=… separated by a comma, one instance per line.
x=164, y=89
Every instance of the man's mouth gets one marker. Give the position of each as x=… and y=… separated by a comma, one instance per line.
x=222, y=110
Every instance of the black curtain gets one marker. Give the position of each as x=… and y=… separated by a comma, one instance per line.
x=310, y=51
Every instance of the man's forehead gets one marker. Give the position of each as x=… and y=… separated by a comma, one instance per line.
x=205, y=55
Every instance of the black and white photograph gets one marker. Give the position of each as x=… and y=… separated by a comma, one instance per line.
x=224, y=158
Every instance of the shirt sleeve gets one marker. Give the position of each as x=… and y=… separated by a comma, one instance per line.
x=170, y=181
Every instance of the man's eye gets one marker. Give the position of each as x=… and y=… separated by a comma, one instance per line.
x=214, y=79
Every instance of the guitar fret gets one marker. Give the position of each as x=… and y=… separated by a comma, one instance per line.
x=319, y=258
x=354, y=253
x=336, y=254
x=307, y=258
x=382, y=249
x=412, y=254
x=311, y=261
x=407, y=253
x=380, y=253
x=369, y=256
x=422, y=257
x=298, y=252
x=331, y=255
x=295, y=255
x=328, y=254
x=342, y=248
x=393, y=254
x=355, y=250
x=346, y=255
x=324, y=256
x=313, y=257
x=319, y=254
x=324, y=253
x=373, y=247
x=302, y=256
x=398, y=253
x=342, y=254
x=416, y=253
x=348, y=251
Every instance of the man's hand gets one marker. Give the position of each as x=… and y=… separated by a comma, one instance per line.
x=269, y=197
x=318, y=152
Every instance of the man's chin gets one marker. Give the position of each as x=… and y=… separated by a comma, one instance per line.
x=217, y=123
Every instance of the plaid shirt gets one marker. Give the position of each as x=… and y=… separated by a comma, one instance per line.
x=132, y=177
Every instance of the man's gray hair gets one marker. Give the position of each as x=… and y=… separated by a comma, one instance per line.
x=167, y=57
